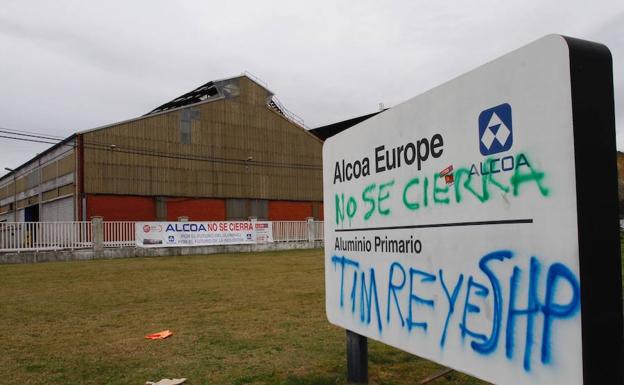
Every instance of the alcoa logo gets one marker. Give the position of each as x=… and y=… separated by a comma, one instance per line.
x=495, y=130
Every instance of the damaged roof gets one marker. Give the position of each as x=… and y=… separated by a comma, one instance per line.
x=224, y=89
x=199, y=94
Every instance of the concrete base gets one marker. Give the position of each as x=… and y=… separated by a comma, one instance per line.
x=128, y=252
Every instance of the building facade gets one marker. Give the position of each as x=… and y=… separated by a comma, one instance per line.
x=224, y=151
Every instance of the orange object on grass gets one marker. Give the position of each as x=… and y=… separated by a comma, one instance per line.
x=160, y=335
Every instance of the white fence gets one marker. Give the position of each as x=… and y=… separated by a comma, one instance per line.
x=118, y=234
x=28, y=236
x=39, y=236
x=296, y=231
x=290, y=231
x=318, y=230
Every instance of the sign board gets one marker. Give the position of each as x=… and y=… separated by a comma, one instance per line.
x=476, y=225
x=178, y=234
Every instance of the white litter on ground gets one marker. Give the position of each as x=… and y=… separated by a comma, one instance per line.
x=167, y=381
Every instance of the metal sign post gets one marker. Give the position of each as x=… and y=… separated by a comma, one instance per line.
x=357, y=358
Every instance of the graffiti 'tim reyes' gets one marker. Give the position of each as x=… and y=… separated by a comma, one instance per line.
x=409, y=299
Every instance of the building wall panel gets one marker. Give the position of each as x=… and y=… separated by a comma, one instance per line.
x=49, y=172
x=66, y=165
x=66, y=190
x=289, y=210
x=121, y=208
x=20, y=184
x=239, y=149
x=7, y=217
x=27, y=201
x=50, y=194
x=60, y=210
x=243, y=209
x=7, y=190
x=42, y=174
x=196, y=209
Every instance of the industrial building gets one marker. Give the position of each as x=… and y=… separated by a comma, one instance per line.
x=227, y=150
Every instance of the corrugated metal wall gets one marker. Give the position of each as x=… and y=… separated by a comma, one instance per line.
x=45, y=178
x=238, y=149
x=141, y=208
x=121, y=208
x=61, y=210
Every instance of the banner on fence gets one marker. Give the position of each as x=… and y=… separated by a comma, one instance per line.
x=178, y=234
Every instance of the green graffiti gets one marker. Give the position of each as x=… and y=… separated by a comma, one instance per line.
x=437, y=191
x=411, y=205
x=480, y=183
x=486, y=180
x=367, y=199
x=520, y=178
x=382, y=197
x=339, y=209
x=458, y=176
x=482, y=198
x=426, y=192
x=492, y=175
x=491, y=180
x=351, y=208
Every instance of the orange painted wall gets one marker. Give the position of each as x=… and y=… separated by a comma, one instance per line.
x=196, y=209
x=289, y=210
x=121, y=208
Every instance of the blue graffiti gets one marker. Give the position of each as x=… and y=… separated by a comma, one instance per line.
x=407, y=304
x=343, y=261
x=413, y=298
x=367, y=300
x=393, y=288
x=530, y=312
x=470, y=307
x=489, y=345
x=553, y=310
x=353, y=288
x=452, y=299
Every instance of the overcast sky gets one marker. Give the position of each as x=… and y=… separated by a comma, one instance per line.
x=67, y=66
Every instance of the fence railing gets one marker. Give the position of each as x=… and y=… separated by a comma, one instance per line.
x=26, y=236
x=318, y=230
x=118, y=234
x=39, y=236
x=290, y=231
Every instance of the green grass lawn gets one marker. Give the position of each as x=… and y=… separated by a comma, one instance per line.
x=237, y=319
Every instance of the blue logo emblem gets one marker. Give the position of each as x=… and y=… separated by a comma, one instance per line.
x=495, y=130
x=171, y=239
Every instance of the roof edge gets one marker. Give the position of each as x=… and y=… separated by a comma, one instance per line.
x=220, y=97
x=41, y=154
x=150, y=115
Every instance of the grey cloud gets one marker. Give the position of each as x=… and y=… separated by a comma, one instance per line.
x=73, y=65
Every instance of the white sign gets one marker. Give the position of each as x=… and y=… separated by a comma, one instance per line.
x=264, y=232
x=451, y=223
x=176, y=234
